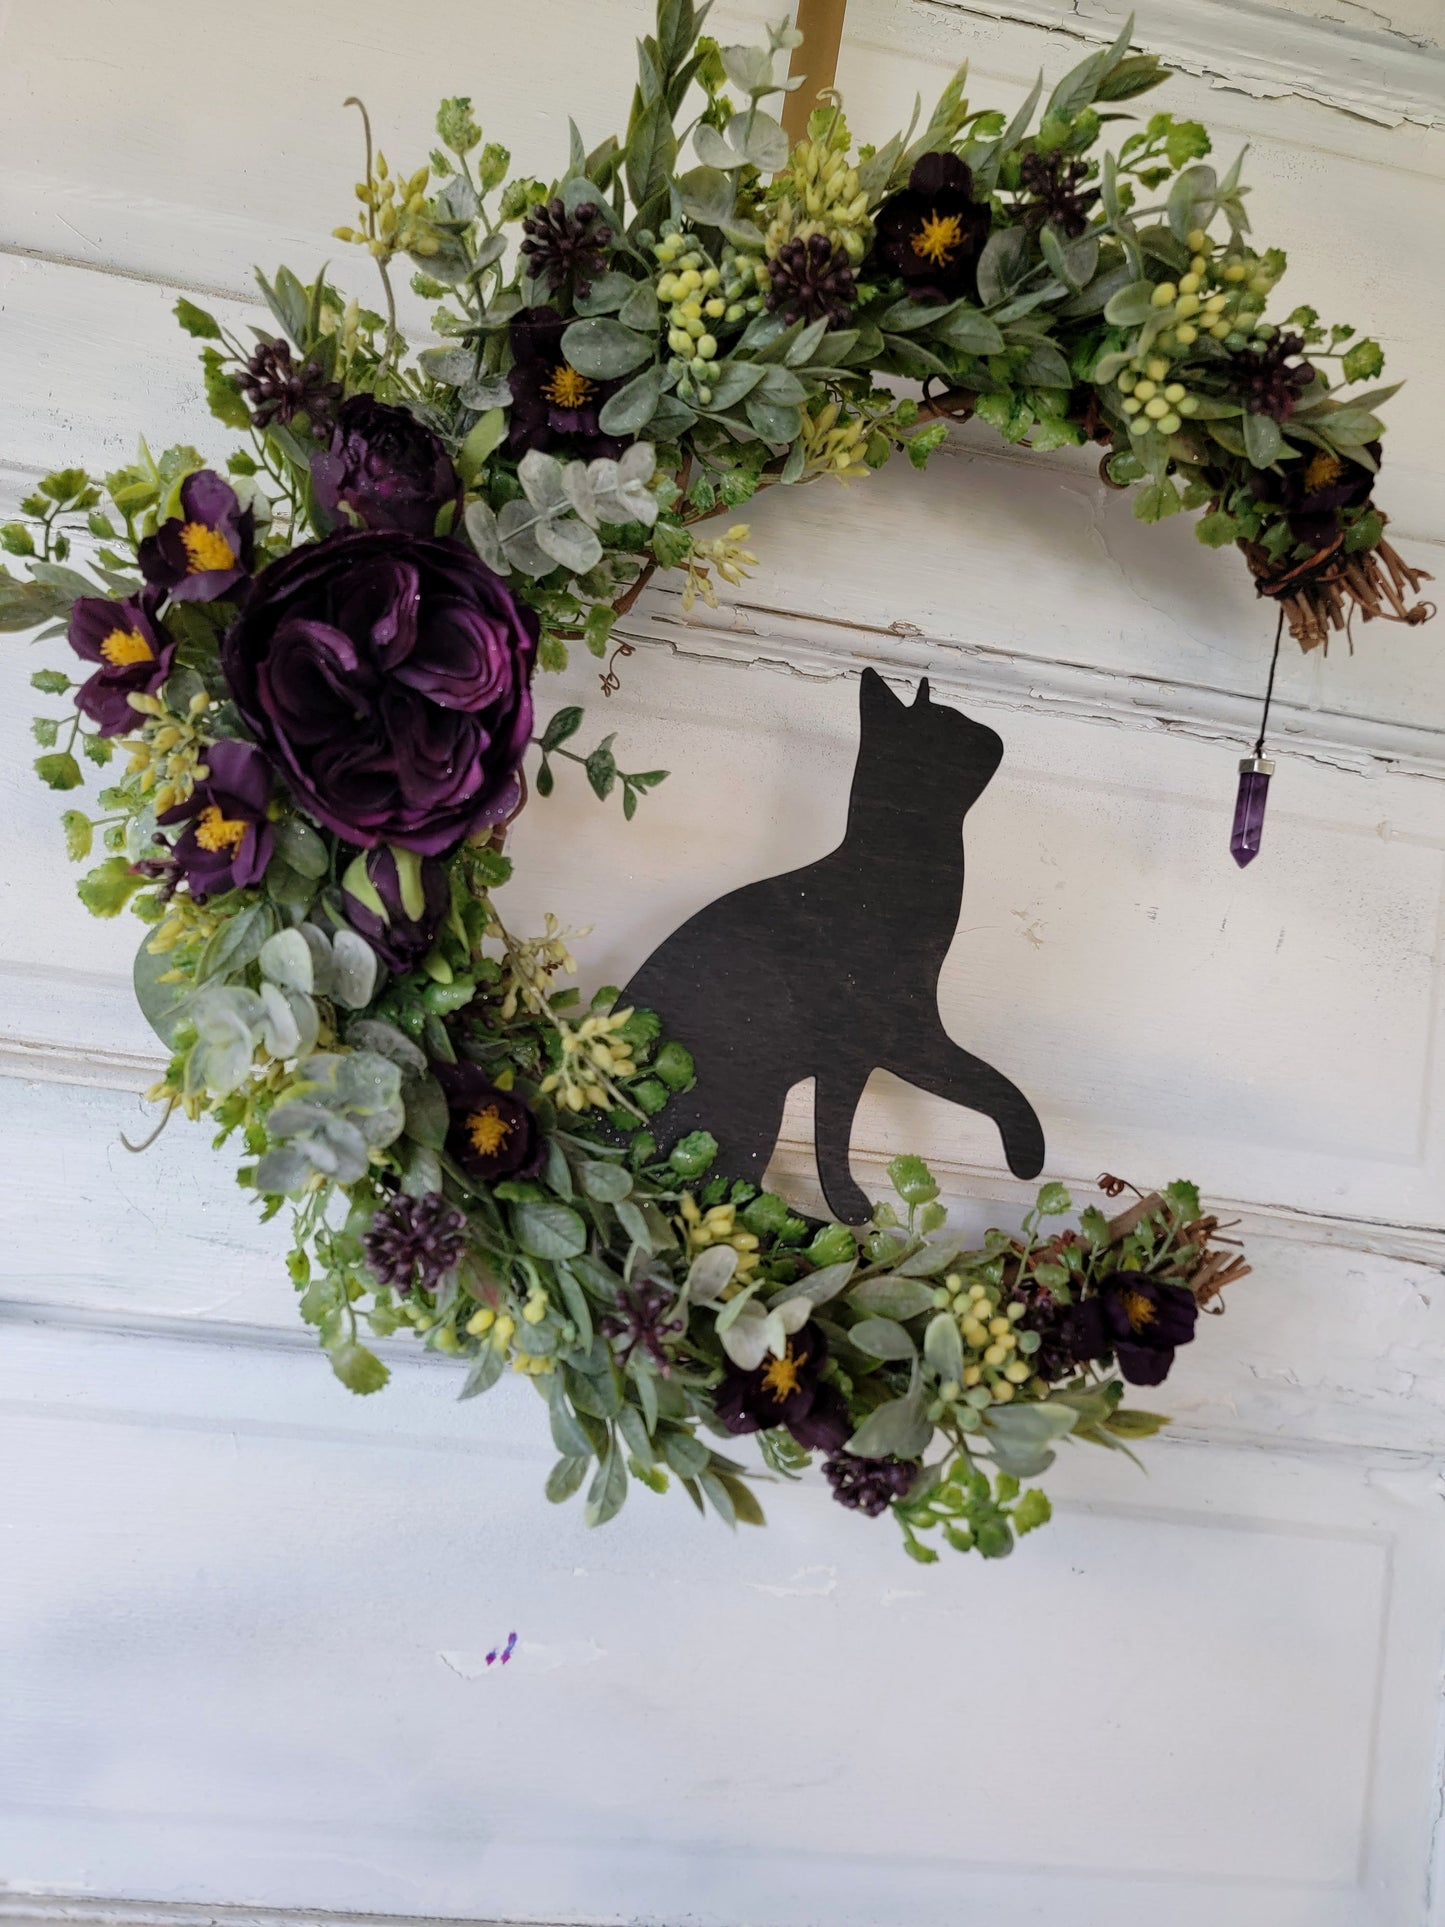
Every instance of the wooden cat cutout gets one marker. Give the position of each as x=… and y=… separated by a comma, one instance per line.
x=831, y=971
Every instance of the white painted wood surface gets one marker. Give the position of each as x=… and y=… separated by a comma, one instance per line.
x=244, y=1618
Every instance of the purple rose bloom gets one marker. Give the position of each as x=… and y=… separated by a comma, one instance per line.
x=787, y=1391
x=133, y=651
x=396, y=900
x=553, y=405
x=385, y=467
x=492, y=1133
x=932, y=232
x=386, y=675
x=1142, y=1321
x=206, y=550
x=227, y=841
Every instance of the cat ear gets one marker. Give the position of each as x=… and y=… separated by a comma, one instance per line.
x=921, y=700
x=876, y=701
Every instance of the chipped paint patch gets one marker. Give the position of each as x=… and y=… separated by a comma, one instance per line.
x=1376, y=73
x=808, y=1582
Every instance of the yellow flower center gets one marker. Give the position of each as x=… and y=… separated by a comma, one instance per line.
x=206, y=548
x=1139, y=1310
x=781, y=1376
x=217, y=832
x=1324, y=469
x=488, y=1131
x=122, y=647
x=938, y=238
x=565, y=388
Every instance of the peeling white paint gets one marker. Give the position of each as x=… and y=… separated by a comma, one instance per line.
x=1371, y=71
x=809, y=1582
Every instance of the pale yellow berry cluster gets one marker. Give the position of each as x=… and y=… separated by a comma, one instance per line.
x=499, y=1329
x=1221, y=296
x=396, y=214
x=186, y=922
x=717, y=1226
x=835, y=444
x=995, y=1352
x=699, y=297
x=168, y=754
x=592, y=1054
x=727, y=555
x=531, y=964
x=822, y=196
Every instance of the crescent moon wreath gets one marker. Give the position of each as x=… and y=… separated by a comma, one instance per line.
x=315, y=659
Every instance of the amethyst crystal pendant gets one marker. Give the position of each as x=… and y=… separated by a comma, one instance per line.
x=1254, y=775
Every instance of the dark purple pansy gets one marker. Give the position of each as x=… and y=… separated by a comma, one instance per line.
x=1315, y=489
x=1141, y=1321
x=133, y=652
x=396, y=900
x=227, y=841
x=387, y=676
x=207, y=549
x=492, y=1134
x=932, y=232
x=553, y=406
x=383, y=465
x=787, y=1391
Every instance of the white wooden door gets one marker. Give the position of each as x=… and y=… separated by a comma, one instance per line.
x=244, y=1618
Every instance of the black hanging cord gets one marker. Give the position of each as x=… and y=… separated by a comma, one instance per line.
x=1269, y=691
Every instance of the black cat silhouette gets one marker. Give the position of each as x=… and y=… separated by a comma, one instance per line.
x=831, y=971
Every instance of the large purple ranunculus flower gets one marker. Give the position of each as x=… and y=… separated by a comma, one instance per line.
x=384, y=466
x=787, y=1391
x=133, y=651
x=227, y=841
x=206, y=550
x=932, y=232
x=387, y=676
x=1142, y=1321
x=553, y=406
x=492, y=1133
x=396, y=900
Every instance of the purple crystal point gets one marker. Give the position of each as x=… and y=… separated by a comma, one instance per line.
x=1254, y=775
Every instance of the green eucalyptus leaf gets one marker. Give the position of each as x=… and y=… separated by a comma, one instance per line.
x=303, y=847
x=1131, y=306
x=549, y=1230
x=899, y=1429
x=484, y=1374
x=605, y=295
x=882, y=1338
x=1263, y=441
x=566, y=1477
x=630, y=410
x=892, y=1297
x=163, y=1005
x=608, y=1491
x=607, y=1183
x=942, y=1346
x=604, y=349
